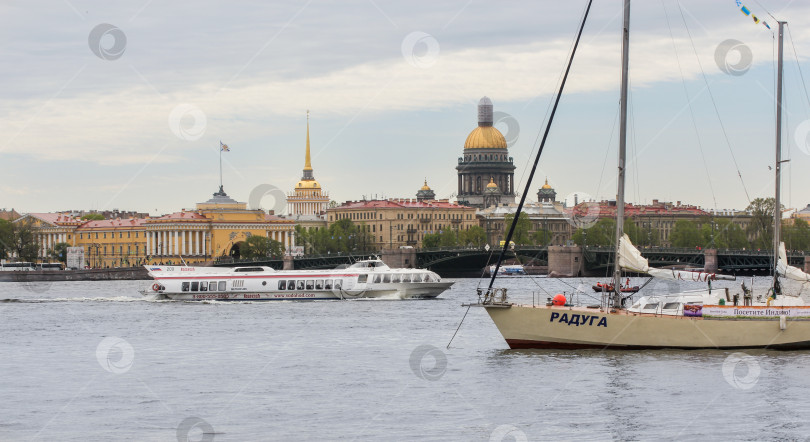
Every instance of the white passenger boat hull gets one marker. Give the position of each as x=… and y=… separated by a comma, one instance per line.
x=365, y=279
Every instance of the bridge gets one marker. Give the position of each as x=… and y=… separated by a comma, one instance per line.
x=599, y=259
x=448, y=260
x=455, y=261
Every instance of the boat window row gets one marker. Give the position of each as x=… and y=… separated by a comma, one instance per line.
x=203, y=286
x=310, y=284
x=405, y=277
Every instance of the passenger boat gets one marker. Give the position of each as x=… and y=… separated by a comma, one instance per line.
x=704, y=319
x=515, y=269
x=363, y=279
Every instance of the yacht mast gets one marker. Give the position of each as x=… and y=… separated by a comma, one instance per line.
x=617, y=270
x=777, y=206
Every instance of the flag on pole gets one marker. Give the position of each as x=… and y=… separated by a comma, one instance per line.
x=224, y=147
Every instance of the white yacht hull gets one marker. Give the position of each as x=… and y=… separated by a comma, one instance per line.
x=546, y=327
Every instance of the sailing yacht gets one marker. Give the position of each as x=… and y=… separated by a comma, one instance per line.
x=688, y=320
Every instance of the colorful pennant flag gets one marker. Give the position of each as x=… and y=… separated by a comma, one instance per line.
x=747, y=12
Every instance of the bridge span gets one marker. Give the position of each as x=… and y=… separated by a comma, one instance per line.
x=564, y=260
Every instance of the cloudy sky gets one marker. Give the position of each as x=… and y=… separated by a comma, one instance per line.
x=122, y=105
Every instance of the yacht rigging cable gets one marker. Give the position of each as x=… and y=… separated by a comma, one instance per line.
x=539, y=150
x=714, y=104
x=691, y=110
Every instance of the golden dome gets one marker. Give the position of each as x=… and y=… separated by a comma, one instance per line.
x=425, y=187
x=308, y=184
x=492, y=184
x=546, y=186
x=485, y=137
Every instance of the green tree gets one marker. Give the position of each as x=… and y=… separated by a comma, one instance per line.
x=602, y=233
x=342, y=236
x=521, y=233
x=475, y=236
x=431, y=241
x=59, y=252
x=448, y=238
x=761, y=210
x=6, y=238
x=542, y=237
x=22, y=240
x=686, y=234
x=261, y=247
x=723, y=235
x=633, y=231
x=93, y=217
x=796, y=236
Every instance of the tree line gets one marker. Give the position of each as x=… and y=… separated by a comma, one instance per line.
x=720, y=233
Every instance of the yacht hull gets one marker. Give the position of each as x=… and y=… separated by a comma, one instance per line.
x=581, y=328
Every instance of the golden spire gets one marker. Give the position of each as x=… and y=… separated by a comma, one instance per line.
x=425, y=187
x=491, y=183
x=308, y=162
x=546, y=186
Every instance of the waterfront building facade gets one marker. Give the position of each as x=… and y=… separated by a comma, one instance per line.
x=660, y=217
x=400, y=222
x=217, y=227
x=485, y=159
x=546, y=215
x=803, y=214
x=542, y=216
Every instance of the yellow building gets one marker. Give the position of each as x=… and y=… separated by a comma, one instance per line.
x=404, y=222
x=218, y=227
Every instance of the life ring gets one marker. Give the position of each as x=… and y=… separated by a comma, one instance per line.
x=155, y=287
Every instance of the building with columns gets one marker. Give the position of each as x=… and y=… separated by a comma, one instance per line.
x=486, y=159
x=217, y=227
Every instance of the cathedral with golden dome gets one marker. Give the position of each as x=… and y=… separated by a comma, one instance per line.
x=307, y=199
x=486, y=167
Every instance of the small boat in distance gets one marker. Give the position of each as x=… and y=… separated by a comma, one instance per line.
x=515, y=269
x=364, y=279
x=600, y=287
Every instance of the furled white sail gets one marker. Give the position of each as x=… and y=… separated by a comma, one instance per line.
x=630, y=259
x=788, y=271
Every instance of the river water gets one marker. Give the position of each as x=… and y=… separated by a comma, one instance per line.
x=96, y=361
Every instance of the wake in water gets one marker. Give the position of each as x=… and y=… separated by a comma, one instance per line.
x=77, y=299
